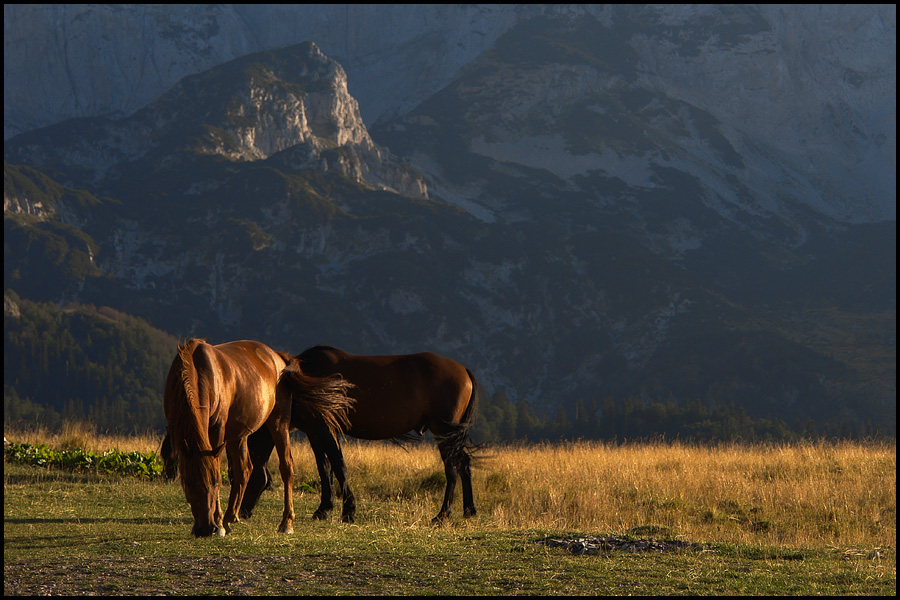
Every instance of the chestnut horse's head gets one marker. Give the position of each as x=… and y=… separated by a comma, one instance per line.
x=198, y=462
x=201, y=480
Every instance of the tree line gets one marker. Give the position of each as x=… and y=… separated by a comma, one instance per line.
x=99, y=365
x=502, y=420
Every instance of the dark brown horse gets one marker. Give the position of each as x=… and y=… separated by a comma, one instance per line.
x=215, y=397
x=394, y=395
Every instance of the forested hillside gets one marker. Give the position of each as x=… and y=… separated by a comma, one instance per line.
x=82, y=362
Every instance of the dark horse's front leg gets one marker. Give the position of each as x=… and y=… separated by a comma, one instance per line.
x=451, y=474
x=329, y=457
x=260, y=445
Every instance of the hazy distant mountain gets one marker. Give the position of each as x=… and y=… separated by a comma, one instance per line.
x=660, y=202
x=813, y=87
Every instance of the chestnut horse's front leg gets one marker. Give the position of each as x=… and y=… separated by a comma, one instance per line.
x=239, y=457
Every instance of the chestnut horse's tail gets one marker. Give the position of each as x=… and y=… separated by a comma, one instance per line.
x=317, y=399
x=187, y=424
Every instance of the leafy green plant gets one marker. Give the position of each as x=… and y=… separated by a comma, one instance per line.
x=138, y=464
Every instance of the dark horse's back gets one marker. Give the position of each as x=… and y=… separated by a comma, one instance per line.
x=401, y=393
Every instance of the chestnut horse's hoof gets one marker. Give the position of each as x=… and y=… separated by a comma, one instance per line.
x=286, y=529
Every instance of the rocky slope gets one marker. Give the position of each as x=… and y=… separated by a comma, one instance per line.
x=580, y=213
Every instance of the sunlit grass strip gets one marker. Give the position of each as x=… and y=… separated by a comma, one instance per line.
x=811, y=494
x=808, y=494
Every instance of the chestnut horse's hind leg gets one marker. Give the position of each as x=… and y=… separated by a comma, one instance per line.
x=286, y=466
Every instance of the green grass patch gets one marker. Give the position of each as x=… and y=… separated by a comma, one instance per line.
x=97, y=533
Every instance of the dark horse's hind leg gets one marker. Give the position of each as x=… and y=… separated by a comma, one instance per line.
x=465, y=475
x=329, y=457
x=457, y=462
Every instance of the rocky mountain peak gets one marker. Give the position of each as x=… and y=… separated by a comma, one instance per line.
x=293, y=102
x=269, y=101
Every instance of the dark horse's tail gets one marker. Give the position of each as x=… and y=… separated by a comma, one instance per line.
x=457, y=445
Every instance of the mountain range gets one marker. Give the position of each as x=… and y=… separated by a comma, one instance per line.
x=577, y=202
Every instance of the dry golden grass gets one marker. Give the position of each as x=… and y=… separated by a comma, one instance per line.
x=812, y=494
x=84, y=435
x=798, y=495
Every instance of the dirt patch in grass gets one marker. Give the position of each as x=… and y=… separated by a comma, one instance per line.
x=241, y=575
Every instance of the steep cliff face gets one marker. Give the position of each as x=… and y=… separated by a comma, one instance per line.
x=721, y=95
x=600, y=216
x=293, y=103
x=64, y=60
x=810, y=88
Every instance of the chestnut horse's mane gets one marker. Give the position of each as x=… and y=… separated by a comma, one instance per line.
x=190, y=433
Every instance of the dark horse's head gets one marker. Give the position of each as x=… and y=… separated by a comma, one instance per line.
x=170, y=465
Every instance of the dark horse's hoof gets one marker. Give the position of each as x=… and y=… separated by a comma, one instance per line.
x=320, y=515
x=347, y=518
x=440, y=520
x=470, y=512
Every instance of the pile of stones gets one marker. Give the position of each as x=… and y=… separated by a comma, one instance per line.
x=597, y=545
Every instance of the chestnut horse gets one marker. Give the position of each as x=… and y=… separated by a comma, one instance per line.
x=215, y=397
x=394, y=395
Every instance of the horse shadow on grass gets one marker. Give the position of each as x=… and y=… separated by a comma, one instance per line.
x=95, y=520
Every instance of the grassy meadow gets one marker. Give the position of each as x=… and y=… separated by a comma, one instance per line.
x=809, y=518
